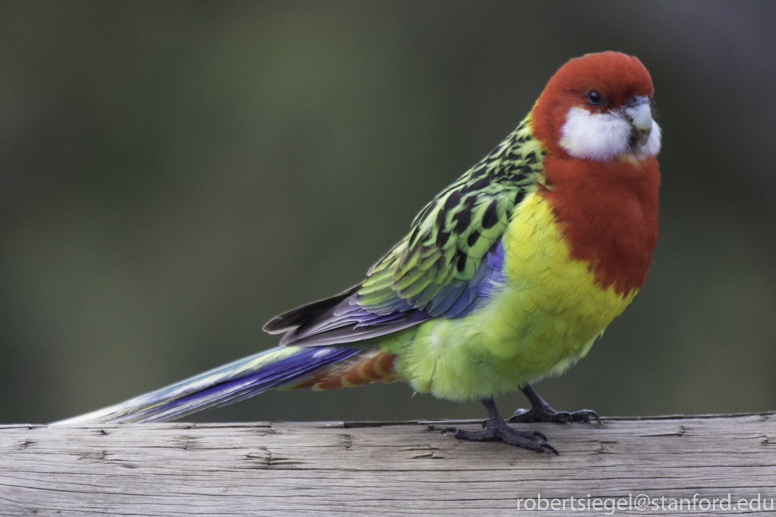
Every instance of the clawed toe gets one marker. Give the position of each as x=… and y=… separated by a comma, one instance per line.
x=542, y=412
x=532, y=440
x=532, y=415
x=547, y=414
x=585, y=415
x=496, y=429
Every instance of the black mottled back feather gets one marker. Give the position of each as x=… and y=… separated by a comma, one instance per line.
x=437, y=268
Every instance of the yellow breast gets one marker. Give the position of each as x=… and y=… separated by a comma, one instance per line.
x=551, y=307
x=543, y=318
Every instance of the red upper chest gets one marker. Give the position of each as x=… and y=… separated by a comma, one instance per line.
x=608, y=213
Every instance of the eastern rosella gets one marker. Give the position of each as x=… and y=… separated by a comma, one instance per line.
x=507, y=276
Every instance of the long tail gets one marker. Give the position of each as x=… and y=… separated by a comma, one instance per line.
x=220, y=386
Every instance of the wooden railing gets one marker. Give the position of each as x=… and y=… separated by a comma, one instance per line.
x=397, y=469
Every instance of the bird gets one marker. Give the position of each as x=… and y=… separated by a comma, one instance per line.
x=506, y=277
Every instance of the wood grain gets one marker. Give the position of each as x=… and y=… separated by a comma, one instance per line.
x=395, y=469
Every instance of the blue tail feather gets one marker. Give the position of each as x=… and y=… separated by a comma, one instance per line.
x=220, y=386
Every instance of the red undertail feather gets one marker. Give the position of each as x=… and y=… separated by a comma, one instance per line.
x=369, y=368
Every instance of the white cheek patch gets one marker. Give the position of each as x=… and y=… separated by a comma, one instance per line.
x=603, y=136
x=597, y=136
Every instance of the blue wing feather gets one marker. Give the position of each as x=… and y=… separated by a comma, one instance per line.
x=352, y=321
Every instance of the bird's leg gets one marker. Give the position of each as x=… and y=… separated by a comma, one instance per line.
x=497, y=429
x=542, y=412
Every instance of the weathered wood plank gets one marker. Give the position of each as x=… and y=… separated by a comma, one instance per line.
x=386, y=469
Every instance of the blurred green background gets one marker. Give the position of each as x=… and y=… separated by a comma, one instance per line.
x=172, y=175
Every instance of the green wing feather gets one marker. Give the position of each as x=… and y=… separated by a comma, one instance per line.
x=453, y=233
x=437, y=268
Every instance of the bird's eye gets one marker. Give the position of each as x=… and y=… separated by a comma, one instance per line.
x=594, y=97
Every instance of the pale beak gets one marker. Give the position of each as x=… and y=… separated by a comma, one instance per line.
x=639, y=115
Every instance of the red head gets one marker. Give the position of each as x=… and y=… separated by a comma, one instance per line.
x=598, y=107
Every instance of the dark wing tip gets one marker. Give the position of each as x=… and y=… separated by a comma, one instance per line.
x=304, y=314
